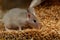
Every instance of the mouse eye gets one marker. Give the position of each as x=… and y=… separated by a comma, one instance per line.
x=34, y=20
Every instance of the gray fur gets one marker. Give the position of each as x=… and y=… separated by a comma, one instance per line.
x=17, y=17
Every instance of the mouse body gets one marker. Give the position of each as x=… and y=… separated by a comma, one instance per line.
x=16, y=18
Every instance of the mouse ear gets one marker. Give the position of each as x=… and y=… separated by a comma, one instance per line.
x=28, y=15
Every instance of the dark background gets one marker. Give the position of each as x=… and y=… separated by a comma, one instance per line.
x=8, y=4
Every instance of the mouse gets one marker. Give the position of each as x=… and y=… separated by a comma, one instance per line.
x=16, y=18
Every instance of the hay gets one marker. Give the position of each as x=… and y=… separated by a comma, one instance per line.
x=29, y=34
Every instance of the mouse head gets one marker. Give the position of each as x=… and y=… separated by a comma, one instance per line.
x=32, y=20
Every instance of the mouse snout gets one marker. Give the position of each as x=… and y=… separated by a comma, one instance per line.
x=34, y=23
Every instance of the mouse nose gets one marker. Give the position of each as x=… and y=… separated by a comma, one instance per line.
x=37, y=25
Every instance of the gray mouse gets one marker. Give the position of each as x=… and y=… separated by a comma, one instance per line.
x=12, y=18
x=16, y=18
